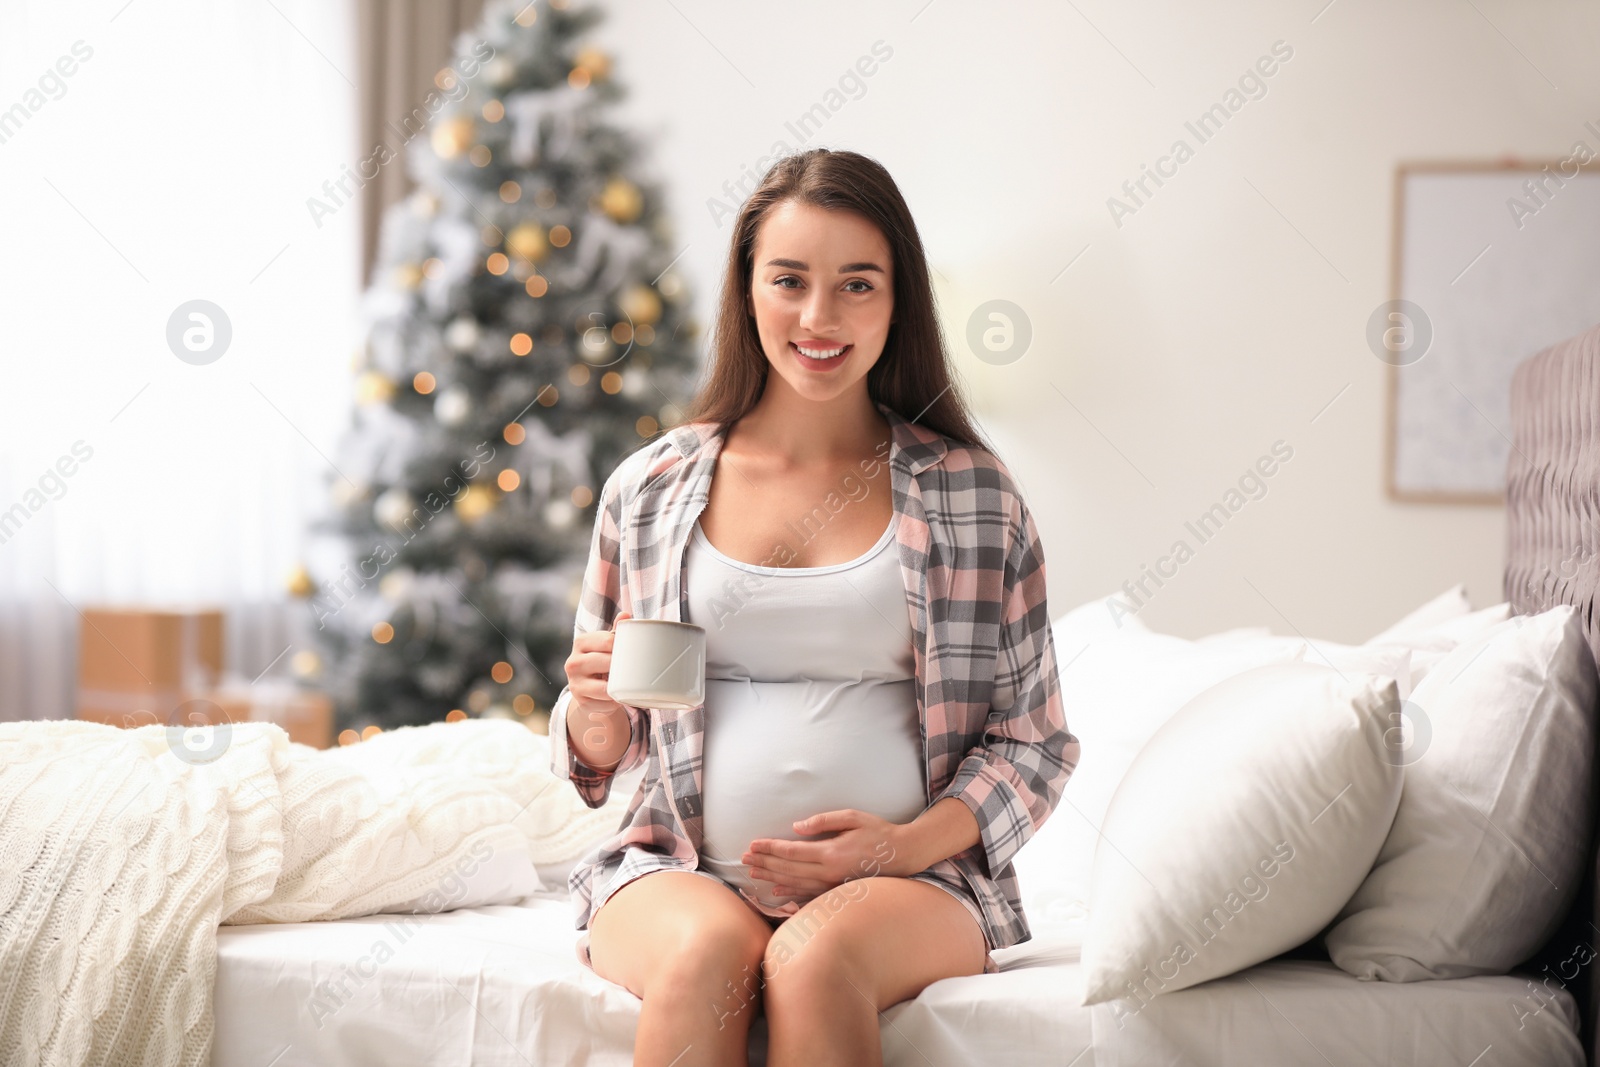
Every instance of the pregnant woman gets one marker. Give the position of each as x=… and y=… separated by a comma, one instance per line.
x=833, y=828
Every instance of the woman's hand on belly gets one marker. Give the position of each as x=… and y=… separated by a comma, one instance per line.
x=859, y=845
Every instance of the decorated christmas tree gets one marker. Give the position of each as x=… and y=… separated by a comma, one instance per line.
x=524, y=331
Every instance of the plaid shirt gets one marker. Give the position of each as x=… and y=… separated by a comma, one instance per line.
x=994, y=733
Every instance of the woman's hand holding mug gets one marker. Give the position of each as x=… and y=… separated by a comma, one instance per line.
x=604, y=722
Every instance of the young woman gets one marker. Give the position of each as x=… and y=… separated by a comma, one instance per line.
x=832, y=830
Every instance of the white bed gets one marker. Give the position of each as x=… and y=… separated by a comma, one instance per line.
x=502, y=984
x=500, y=987
x=98, y=966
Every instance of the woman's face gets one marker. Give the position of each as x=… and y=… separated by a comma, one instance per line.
x=821, y=281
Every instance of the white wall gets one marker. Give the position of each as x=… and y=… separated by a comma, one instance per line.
x=1223, y=315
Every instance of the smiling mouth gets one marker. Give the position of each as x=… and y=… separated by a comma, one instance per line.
x=835, y=355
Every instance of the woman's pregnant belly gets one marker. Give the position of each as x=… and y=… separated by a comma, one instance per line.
x=778, y=752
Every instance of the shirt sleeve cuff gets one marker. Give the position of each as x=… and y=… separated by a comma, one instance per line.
x=594, y=786
x=1004, y=824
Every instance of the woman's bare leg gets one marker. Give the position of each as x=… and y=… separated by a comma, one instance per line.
x=833, y=967
x=691, y=949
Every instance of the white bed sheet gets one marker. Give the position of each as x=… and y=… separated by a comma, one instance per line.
x=501, y=985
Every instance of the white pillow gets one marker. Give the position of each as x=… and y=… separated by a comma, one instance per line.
x=1394, y=661
x=1118, y=688
x=1427, y=644
x=1238, y=633
x=1240, y=829
x=1089, y=620
x=1431, y=644
x=482, y=875
x=554, y=876
x=1490, y=839
x=1450, y=604
x=1389, y=661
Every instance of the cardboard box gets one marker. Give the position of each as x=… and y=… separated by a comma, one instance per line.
x=170, y=708
x=133, y=658
x=305, y=715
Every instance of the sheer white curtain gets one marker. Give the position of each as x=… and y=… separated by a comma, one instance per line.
x=153, y=153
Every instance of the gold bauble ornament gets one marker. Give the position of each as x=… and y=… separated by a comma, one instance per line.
x=373, y=388
x=397, y=583
x=408, y=275
x=641, y=304
x=621, y=200
x=305, y=664
x=300, y=583
x=452, y=137
x=527, y=241
x=475, y=502
x=592, y=62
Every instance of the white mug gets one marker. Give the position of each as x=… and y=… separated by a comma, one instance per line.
x=658, y=663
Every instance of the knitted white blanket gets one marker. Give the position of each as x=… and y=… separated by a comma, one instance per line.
x=122, y=850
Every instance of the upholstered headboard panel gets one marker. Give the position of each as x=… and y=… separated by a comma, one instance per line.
x=1553, y=557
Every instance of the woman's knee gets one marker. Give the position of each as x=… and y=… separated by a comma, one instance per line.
x=676, y=933
x=885, y=937
x=709, y=946
x=812, y=949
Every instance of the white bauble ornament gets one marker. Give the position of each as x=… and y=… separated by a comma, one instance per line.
x=393, y=507
x=595, y=346
x=346, y=492
x=635, y=384
x=500, y=72
x=559, y=514
x=462, y=334
x=452, y=406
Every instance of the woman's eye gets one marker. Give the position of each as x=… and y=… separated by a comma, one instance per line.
x=866, y=286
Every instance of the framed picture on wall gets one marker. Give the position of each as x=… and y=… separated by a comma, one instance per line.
x=1491, y=263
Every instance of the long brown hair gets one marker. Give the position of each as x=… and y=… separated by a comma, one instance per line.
x=913, y=375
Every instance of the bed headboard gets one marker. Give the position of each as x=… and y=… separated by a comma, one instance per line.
x=1553, y=557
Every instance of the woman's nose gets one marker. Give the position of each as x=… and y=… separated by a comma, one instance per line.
x=820, y=313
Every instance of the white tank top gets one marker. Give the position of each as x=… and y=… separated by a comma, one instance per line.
x=810, y=698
